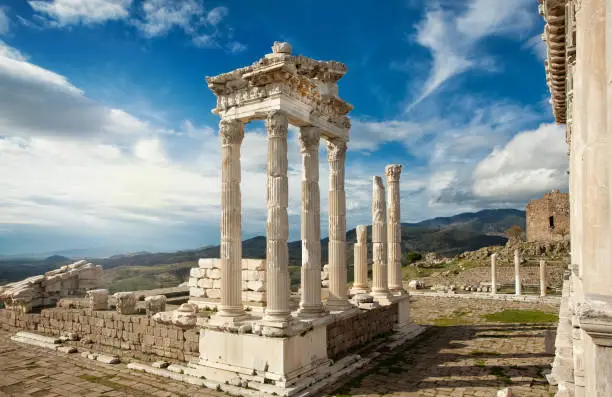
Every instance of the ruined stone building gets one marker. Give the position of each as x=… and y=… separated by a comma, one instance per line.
x=548, y=218
x=578, y=73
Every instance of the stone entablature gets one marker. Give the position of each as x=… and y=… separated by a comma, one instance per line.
x=304, y=88
x=548, y=218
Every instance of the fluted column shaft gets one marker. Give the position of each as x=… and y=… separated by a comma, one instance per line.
x=360, y=261
x=380, y=287
x=336, y=156
x=542, y=278
x=310, y=302
x=277, y=225
x=517, y=272
x=394, y=229
x=232, y=133
x=494, y=273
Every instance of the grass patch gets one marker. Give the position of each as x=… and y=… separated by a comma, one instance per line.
x=478, y=353
x=104, y=381
x=522, y=316
x=480, y=363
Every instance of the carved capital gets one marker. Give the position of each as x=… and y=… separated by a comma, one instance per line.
x=231, y=132
x=393, y=172
x=309, y=138
x=277, y=124
x=336, y=149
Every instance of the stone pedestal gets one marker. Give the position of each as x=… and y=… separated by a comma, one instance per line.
x=125, y=302
x=394, y=230
x=380, y=289
x=277, y=226
x=338, y=291
x=310, y=303
x=360, y=265
x=155, y=304
x=98, y=299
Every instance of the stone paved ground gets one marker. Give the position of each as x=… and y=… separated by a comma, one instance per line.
x=466, y=357
x=462, y=354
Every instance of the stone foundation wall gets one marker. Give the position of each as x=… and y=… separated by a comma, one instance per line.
x=205, y=280
x=548, y=218
x=359, y=329
x=136, y=336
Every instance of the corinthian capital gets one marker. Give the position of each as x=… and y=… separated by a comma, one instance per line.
x=393, y=172
x=277, y=124
x=231, y=132
x=309, y=138
x=336, y=149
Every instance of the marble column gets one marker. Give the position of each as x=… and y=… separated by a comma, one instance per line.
x=542, y=277
x=231, y=133
x=380, y=288
x=277, y=226
x=394, y=230
x=494, y=274
x=310, y=303
x=517, y=272
x=360, y=263
x=338, y=293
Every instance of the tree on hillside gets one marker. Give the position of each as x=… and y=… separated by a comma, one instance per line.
x=412, y=257
x=515, y=233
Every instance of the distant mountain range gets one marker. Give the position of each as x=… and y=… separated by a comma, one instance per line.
x=447, y=236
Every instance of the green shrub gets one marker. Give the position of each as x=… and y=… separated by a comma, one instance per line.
x=413, y=257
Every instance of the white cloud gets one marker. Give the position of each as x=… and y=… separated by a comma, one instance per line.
x=5, y=22
x=216, y=15
x=160, y=16
x=531, y=162
x=235, y=47
x=537, y=46
x=452, y=37
x=69, y=12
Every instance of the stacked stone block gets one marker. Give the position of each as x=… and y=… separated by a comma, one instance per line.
x=205, y=280
x=109, y=332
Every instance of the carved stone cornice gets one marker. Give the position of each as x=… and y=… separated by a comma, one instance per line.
x=336, y=149
x=595, y=316
x=309, y=138
x=393, y=172
x=231, y=132
x=277, y=124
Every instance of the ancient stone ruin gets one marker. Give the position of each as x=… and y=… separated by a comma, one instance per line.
x=46, y=290
x=548, y=218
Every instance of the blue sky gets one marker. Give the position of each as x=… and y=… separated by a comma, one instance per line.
x=107, y=139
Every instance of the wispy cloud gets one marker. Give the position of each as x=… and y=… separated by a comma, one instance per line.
x=452, y=37
x=5, y=22
x=537, y=46
x=69, y=12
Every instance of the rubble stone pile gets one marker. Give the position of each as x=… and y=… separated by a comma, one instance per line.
x=45, y=290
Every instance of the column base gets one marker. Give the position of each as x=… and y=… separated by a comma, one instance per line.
x=398, y=291
x=356, y=290
x=277, y=320
x=338, y=305
x=221, y=319
x=311, y=311
x=382, y=297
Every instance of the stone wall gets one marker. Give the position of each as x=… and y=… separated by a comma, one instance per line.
x=548, y=217
x=205, y=280
x=359, y=329
x=136, y=336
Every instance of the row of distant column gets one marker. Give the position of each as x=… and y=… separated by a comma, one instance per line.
x=386, y=241
x=278, y=310
x=517, y=274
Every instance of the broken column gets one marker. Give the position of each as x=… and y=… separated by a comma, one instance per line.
x=380, y=289
x=360, y=265
x=542, y=277
x=338, y=293
x=125, y=302
x=310, y=303
x=277, y=225
x=517, y=272
x=494, y=274
x=98, y=299
x=155, y=304
x=394, y=230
